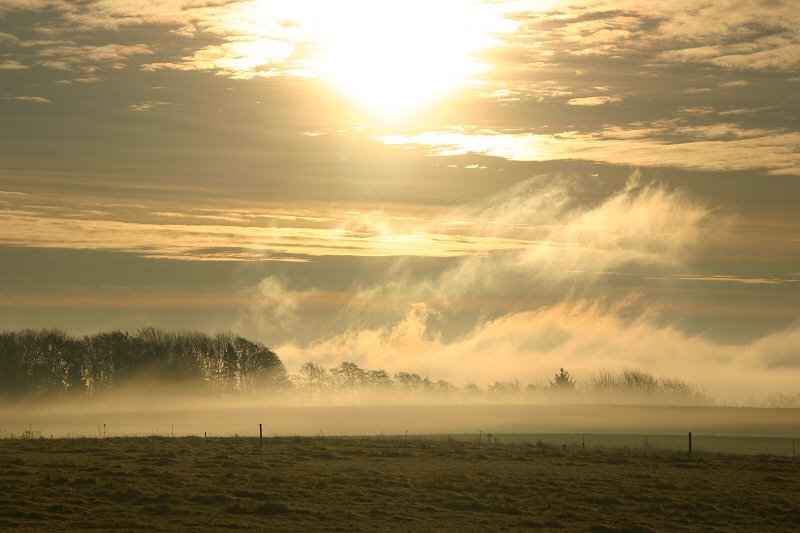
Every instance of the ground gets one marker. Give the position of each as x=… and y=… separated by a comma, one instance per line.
x=384, y=483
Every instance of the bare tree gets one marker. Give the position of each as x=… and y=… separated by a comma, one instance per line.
x=312, y=377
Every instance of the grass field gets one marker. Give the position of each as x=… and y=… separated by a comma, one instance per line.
x=306, y=483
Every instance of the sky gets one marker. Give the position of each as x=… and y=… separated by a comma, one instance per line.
x=468, y=190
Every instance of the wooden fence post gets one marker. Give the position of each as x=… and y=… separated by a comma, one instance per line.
x=690, y=444
x=260, y=436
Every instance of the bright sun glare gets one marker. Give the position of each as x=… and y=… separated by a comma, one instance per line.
x=397, y=57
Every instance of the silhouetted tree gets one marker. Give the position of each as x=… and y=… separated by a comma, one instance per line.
x=348, y=375
x=640, y=384
x=562, y=381
x=639, y=381
x=604, y=381
x=311, y=377
x=13, y=378
x=408, y=381
x=506, y=389
x=472, y=389
x=445, y=388
x=379, y=379
x=259, y=368
x=50, y=362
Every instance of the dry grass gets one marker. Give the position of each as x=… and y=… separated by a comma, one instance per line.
x=375, y=484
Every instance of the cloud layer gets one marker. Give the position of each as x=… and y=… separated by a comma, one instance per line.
x=582, y=336
x=712, y=147
x=533, y=220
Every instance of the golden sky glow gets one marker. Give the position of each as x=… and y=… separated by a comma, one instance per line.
x=396, y=57
x=389, y=58
x=459, y=173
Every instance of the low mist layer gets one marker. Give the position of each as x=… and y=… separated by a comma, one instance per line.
x=158, y=415
x=158, y=383
x=177, y=367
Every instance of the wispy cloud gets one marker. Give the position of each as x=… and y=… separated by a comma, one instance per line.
x=638, y=229
x=744, y=111
x=702, y=147
x=67, y=54
x=347, y=235
x=148, y=106
x=734, y=84
x=762, y=54
x=531, y=221
x=583, y=336
x=594, y=100
x=31, y=99
x=240, y=59
x=81, y=81
x=11, y=64
x=736, y=279
x=87, y=58
x=730, y=34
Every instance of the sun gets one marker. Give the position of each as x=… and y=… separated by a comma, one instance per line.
x=397, y=57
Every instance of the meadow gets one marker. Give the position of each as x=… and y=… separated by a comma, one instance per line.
x=388, y=483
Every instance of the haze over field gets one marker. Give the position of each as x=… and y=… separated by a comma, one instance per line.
x=475, y=191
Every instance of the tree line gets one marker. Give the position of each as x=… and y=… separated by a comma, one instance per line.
x=348, y=379
x=50, y=362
